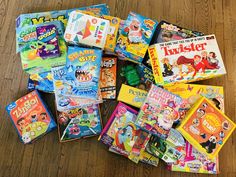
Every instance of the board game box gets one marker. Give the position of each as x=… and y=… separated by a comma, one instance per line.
x=83, y=72
x=79, y=123
x=186, y=60
x=41, y=81
x=61, y=88
x=108, y=77
x=131, y=95
x=83, y=29
x=191, y=93
x=135, y=37
x=206, y=127
x=159, y=111
x=30, y=117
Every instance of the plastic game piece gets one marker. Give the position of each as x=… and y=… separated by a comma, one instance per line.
x=30, y=117
x=186, y=60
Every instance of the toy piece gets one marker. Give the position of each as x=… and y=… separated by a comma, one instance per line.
x=30, y=117
x=121, y=135
x=83, y=72
x=79, y=123
x=135, y=37
x=131, y=75
x=131, y=95
x=167, y=32
x=186, y=60
x=62, y=88
x=159, y=111
x=169, y=150
x=30, y=48
x=112, y=33
x=206, y=127
x=41, y=81
x=48, y=36
x=86, y=30
x=108, y=77
x=191, y=93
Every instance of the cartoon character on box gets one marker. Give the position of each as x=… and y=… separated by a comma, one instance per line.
x=134, y=32
x=167, y=67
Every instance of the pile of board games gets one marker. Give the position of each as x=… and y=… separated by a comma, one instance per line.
x=74, y=54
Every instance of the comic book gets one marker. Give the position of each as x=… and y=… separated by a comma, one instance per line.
x=61, y=88
x=169, y=150
x=108, y=77
x=41, y=81
x=159, y=111
x=41, y=51
x=135, y=37
x=186, y=60
x=79, y=123
x=30, y=117
x=131, y=95
x=121, y=135
x=82, y=72
x=83, y=29
x=170, y=32
x=206, y=127
x=191, y=93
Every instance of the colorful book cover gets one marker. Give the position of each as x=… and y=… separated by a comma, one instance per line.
x=206, y=127
x=191, y=93
x=135, y=37
x=159, y=111
x=61, y=88
x=121, y=135
x=79, y=123
x=170, y=32
x=186, y=60
x=41, y=81
x=112, y=33
x=30, y=117
x=31, y=45
x=86, y=30
x=47, y=35
x=169, y=150
x=83, y=72
x=146, y=77
x=131, y=95
x=108, y=77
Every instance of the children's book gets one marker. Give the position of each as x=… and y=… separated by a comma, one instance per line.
x=121, y=135
x=83, y=29
x=112, y=33
x=159, y=111
x=135, y=37
x=131, y=95
x=79, y=123
x=186, y=60
x=41, y=81
x=108, y=77
x=61, y=89
x=169, y=150
x=206, y=127
x=40, y=52
x=83, y=72
x=170, y=32
x=191, y=93
x=30, y=117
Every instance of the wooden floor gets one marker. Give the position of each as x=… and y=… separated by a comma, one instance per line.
x=88, y=157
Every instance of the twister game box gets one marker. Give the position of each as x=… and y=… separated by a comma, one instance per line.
x=83, y=72
x=135, y=37
x=186, y=60
x=108, y=77
x=83, y=29
x=30, y=117
x=62, y=88
x=79, y=123
x=206, y=127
